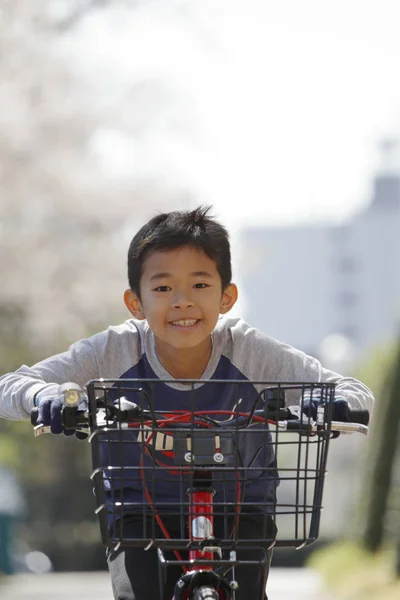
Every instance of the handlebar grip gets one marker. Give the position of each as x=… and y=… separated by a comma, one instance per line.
x=34, y=416
x=359, y=416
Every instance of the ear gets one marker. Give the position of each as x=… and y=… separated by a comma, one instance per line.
x=134, y=305
x=229, y=297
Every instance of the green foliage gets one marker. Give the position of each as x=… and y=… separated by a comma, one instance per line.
x=354, y=574
x=350, y=569
x=374, y=370
x=54, y=471
x=382, y=457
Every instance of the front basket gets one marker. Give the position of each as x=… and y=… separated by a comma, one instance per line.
x=205, y=435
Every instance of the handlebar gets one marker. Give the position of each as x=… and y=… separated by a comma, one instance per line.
x=127, y=414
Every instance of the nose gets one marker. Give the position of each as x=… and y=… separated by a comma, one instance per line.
x=182, y=300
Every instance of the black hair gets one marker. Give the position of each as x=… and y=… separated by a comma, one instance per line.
x=172, y=230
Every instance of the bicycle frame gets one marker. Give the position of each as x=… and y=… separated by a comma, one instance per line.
x=201, y=531
x=199, y=568
x=201, y=519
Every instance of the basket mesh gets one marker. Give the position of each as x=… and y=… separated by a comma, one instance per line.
x=145, y=471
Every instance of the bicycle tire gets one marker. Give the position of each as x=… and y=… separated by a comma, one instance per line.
x=205, y=593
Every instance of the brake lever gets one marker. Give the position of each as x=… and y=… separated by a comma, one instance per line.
x=122, y=410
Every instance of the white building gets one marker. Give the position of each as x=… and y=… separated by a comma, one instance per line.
x=303, y=284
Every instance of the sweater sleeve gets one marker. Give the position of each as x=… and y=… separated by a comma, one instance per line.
x=261, y=357
x=294, y=365
x=17, y=390
x=358, y=395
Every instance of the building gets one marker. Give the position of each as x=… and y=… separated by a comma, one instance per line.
x=329, y=289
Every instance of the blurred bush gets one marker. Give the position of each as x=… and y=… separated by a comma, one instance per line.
x=54, y=475
x=381, y=512
x=352, y=573
x=366, y=566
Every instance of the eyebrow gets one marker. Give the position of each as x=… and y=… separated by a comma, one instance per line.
x=165, y=275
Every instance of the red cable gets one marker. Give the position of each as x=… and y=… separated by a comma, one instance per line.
x=185, y=417
x=157, y=516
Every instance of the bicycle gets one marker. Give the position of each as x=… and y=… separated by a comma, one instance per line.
x=217, y=467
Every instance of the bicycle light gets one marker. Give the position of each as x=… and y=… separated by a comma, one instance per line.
x=71, y=394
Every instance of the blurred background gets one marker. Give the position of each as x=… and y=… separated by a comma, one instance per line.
x=285, y=116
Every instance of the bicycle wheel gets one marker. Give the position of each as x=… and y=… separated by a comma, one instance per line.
x=205, y=593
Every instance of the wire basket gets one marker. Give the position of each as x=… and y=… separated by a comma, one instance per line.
x=219, y=435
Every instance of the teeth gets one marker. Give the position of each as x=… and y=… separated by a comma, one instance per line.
x=185, y=322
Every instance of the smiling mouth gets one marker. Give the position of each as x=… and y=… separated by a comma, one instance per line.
x=185, y=322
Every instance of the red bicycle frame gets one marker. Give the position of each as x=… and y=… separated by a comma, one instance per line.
x=201, y=519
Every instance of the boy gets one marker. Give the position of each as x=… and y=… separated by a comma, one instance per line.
x=179, y=272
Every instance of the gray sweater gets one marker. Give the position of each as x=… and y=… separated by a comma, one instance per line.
x=127, y=351
x=239, y=352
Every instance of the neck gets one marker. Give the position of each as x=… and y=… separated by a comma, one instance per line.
x=184, y=363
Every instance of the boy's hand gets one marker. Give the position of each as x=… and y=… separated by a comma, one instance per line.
x=340, y=412
x=50, y=415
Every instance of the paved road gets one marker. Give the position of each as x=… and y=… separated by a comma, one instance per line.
x=284, y=584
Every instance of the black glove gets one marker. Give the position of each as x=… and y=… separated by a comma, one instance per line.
x=340, y=411
x=50, y=414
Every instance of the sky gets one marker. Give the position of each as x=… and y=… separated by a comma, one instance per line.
x=272, y=111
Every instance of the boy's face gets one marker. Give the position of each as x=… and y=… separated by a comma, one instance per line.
x=181, y=297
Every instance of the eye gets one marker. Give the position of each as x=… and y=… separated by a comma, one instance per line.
x=201, y=286
x=162, y=288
